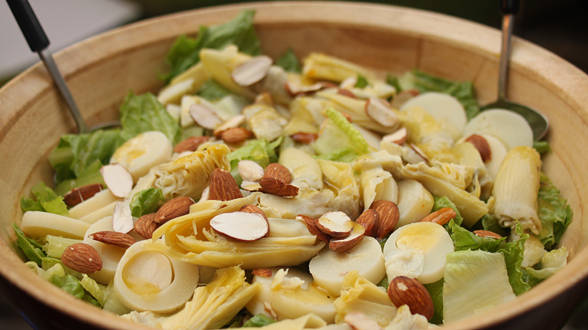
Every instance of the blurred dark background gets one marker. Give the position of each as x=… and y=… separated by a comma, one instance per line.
x=557, y=25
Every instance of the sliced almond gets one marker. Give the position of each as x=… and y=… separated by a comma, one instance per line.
x=145, y=225
x=482, y=146
x=122, y=220
x=408, y=291
x=253, y=209
x=114, y=238
x=223, y=186
x=441, y=216
x=401, y=98
x=388, y=216
x=117, y=179
x=398, y=137
x=335, y=224
x=82, y=258
x=264, y=98
x=312, y=227
x=204, y=116
x=277, y=187
x=349, y=242
x=263, y=272
x=381, y=112
x=360, y=321
x=236, y=135
x=80, y=194
x=486, y=233
x=233, y=122
x=250, y=170
x=250, y=185
x=190, y=144
x=421, y=154
x=278, y=172
x=241, y=226
x=252, y=70
x=349, y=82
x=346, y=92
x=296, y=89
x=369, y=220
x=304, y=138
x=173, y=208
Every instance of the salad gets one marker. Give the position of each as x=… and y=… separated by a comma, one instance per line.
x=258, y=193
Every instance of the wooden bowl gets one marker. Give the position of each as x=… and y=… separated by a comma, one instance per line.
x=102, y=69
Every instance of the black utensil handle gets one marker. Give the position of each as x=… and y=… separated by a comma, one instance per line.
x=29, y=24
x=509, y=6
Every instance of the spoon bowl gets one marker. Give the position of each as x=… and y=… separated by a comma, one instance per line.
x=537, y=121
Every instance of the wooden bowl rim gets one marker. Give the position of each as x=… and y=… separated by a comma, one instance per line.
x=556, y=74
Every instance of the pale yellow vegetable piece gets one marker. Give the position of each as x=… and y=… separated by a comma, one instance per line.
x=110, y=254
x=377, y=184
x=144, y=151
x=360, y=295
x=187, y=102
x=516, y=187
x=414, y=202
x=404, y=319
x=264, y=121
x=445, y=108
x=188, y=82
x=306, y=115
x=309, y=321
x=100, y=213
x=324, y=67
x=308, y=202
x=38, y=224
x=96, y=202
x=288, y=294
x=339, y=177
x=305, y=170
x=219, y=64
x=427, y=133
x=148, y=279
x=532, y=252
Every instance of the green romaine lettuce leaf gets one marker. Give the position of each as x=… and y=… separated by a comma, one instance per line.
x=362, y=82
x=554, y=212
x=44, y=199
x=184, y=53
x=490, y=222
x=142, y=113
x=463, y=91
x=96, y=290
x=212, y=91
x=146, y=201
x=31, y=249
x=69, y=284
x=289, y=62
x=436, y=292
x=442, y=202
x=338, y=139
x=258, y=321
x=542, y=147
x=89, y=175
x=259, y=151
x=55, y=245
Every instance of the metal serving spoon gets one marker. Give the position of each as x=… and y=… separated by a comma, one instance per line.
x=537, y=121
x=38, y=42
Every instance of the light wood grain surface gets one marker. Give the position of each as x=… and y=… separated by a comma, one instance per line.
x=102, y=69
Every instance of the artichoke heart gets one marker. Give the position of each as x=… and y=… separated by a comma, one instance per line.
x=340, y=179
x=219, y=65
x=324, y=67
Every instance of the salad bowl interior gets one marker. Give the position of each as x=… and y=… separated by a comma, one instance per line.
x=101, y=71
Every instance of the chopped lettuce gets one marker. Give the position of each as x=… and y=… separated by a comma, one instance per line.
x=384, y=283
x=551, y=262
x=258, y=321
x=146, y=201
x=55, y=245
x=490, y=222
x=44, y=199
x=542, y=147
x=191, y=131
x=393, y=81
x=361, y=82
x=259, y=151
x=89, y=175
x=289, y=62
x=554, y=212
x=142, y=113
x=31, y=249
x=338, y=140
x=185, y=52
x=463, y=91
x=96, y=290
x=212, y=91
x=442, y=202
x=436, y=291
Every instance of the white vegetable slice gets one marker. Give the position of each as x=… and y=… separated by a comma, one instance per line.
x=106, y=210
x=110, y=254
x=122, y=220
x=305, y=170
x=510, y=127
x=117, y=179
x=146, y=150
x=328, y=268
x=96, y=202
x=242, y=226
x=427, y=241
x=414, y=201
x=38, y=224
x=498, y=150
x=147, y=279
x=443, y=107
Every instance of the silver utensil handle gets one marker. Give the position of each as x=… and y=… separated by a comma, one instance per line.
x=505, y=48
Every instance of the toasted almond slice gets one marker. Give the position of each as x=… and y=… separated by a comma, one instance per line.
x=398, y=137
x=114, y=238
x=349, y=82
x=250, y=170
x=360, y=321
x=276, y=187
x=204, y=116
x=486, y=233
x=80, y=194
x=233, y=122
x=252, y=70
x=122, y=220
x=482, y=146
x=349, y=242
x=335, y=224
x=241, y=226
x=250, y=185
x=264, y=98
x=388, y=216
x=279, y=172
x=223, y=186
x=295, y=89
x=117, y=179
x=190, y=144
x=253, y=209
x=421, y=154
x=402, y=97
x=369, y=220
x=173, y=208
x=381, y=112
x=236, y=135
x=441, y=216
x=263, y=272
x=304, y=138
x=312, y=227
